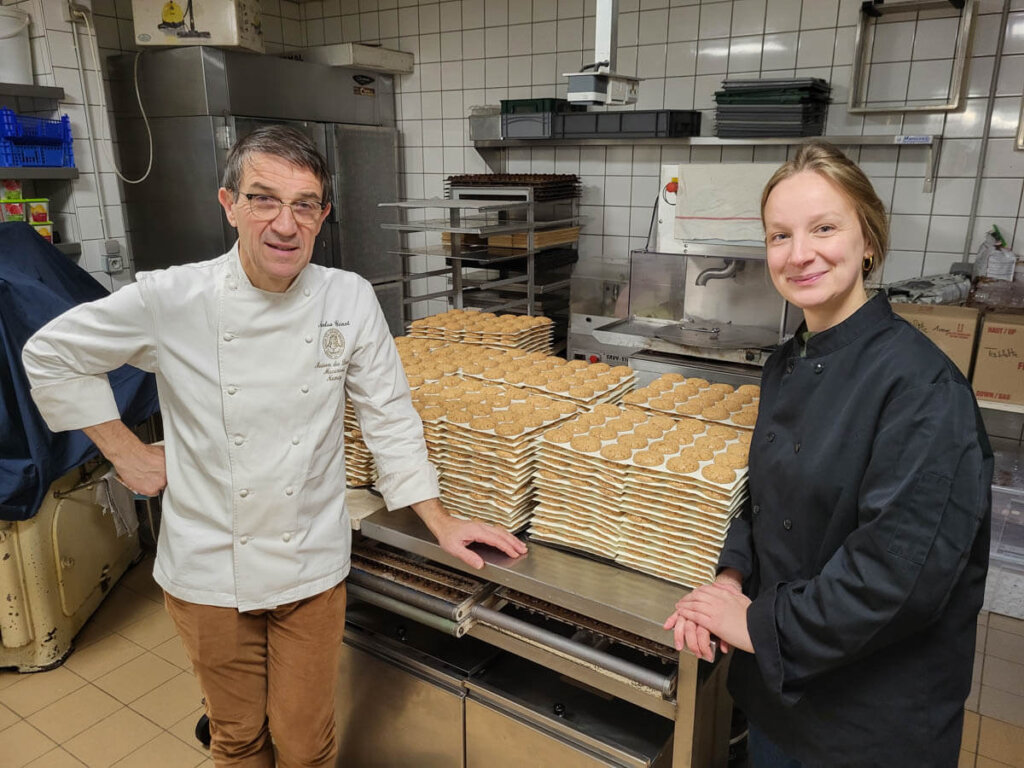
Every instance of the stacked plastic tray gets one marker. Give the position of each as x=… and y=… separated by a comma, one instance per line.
x=778, y=107
x=27, y=141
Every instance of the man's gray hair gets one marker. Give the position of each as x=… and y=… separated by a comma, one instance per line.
x=280, y=141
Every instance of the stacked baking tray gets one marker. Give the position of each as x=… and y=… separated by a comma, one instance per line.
x=545, y=186
x=532, y=334
x=651, y=492
x=772, y=107
x=485, y=437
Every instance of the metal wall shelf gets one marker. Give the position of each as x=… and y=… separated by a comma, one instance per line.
x=40, y=172
x=932, y=142
x=32, y=91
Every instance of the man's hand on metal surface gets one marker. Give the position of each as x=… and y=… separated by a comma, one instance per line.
x=456, y=535
x=141, y=468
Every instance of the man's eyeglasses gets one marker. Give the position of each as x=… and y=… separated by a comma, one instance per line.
x=267, y=208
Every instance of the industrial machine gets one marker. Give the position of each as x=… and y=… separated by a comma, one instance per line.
x=599, y=83
x=552, y=659
x=199, y=101
x=702, y=308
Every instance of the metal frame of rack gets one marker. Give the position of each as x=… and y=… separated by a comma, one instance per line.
x=468, y=217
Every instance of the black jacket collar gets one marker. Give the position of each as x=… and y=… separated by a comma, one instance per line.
x=869, y=317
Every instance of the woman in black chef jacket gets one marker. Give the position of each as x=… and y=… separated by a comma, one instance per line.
x=851, y=583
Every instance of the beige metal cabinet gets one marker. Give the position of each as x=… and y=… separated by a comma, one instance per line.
x=55, y=570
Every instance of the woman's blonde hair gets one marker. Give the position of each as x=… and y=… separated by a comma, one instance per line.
x=825, y=159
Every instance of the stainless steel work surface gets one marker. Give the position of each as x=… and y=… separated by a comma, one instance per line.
x=620, y=597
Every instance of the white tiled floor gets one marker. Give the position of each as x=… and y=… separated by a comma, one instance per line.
x=126, y=696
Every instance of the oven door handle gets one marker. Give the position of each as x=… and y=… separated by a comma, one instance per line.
x=663, y=684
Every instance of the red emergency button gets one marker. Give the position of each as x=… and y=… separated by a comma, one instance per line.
x=594, y=359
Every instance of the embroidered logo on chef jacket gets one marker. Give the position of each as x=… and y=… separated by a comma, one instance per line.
x=333, y=343
x=332, y=350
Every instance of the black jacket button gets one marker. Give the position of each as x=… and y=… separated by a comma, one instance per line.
x=818, y=367
x=790, y=365
x=796, y=447
x=771, y=437
x=787, y=524
x=756, y=510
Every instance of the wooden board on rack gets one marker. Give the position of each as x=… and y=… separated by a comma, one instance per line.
x=541, y=238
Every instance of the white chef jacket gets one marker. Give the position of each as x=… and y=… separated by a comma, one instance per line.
x=252, y=388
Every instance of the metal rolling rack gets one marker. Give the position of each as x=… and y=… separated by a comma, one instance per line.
x=551, y=263
x=468, y=217
x=618, y=648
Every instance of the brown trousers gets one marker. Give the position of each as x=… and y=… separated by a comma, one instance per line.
x=269, y=678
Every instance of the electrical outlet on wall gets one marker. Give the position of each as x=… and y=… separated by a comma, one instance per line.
x=73, y=7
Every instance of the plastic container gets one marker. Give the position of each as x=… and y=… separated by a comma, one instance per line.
x=532, y=106
x=10, y=189
x=641, y=124
x=38, y=209
x=44, y=229
x=35, y=141
x=15, y=52
x=537, y=125
x=13, y=210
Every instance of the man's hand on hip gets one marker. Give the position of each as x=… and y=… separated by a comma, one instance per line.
x=456, y=535
x=140, y=467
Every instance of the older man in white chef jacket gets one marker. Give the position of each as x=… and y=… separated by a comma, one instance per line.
x=254, y=354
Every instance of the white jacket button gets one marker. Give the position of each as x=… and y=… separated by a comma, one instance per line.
x=289, y=491
x=304, y=388
x=239, y=439
x=309, y=339
x=244, y=492
x=286, y=537
x=228, y=336
x=232, y=390
x=295, y=440
x=243, y=540
x=305, y=292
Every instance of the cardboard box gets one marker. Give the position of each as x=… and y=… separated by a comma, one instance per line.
x=951, y=328
x=999, y=365
x=224, y=23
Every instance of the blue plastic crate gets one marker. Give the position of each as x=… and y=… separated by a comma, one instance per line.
x=39, y=129
x=21, y=155
x=27, y=141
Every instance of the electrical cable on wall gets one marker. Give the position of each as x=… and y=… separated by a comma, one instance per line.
x=94, y=50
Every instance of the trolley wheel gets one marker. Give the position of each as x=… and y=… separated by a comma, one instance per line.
x=203, y=730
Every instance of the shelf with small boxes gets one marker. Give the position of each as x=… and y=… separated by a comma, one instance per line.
x=37, y=150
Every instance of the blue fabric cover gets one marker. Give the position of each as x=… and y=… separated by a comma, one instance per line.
x=37, y=283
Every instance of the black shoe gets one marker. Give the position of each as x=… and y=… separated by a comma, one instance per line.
x=203, y=731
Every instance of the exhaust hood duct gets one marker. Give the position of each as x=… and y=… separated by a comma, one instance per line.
x=599, y=83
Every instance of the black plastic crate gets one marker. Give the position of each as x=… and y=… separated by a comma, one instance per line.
x=528, y=106
x=641, y=124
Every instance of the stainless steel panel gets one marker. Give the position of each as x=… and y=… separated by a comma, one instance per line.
x=523, y=713
x=174, y=82
x=414, y=722
x=390, y=296
x=365, y=165
x=496, y=740
x=173, y=217
x=623, y=598
x=201, y=80
x=300, y=90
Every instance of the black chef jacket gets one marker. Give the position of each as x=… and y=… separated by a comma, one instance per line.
x=864, y=547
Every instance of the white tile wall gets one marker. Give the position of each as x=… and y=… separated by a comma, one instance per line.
x=471, y=52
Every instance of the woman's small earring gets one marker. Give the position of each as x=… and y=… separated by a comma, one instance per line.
x=869, y=263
